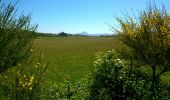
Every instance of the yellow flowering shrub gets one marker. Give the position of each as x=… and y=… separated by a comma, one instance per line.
x=23, y=82
x=149, y=36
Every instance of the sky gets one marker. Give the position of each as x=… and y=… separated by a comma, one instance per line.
x=75, y=16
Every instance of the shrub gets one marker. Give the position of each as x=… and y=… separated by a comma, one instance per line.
x=23, y=82
x=115, y=79
x=16, y=36
x=148, y=36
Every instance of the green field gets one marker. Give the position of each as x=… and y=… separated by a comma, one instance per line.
x=71, y=57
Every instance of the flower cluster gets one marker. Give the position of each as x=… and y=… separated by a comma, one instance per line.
x=26, y=82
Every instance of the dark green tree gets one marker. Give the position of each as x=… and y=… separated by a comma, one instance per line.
x=16, y=36
x=63, y=34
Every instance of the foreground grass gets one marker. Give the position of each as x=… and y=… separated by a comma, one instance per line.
x=71, y=57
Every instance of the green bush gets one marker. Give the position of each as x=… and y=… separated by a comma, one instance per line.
x=115, y=79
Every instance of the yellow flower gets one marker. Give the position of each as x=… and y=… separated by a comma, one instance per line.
x=31, y=79
x=29, y=84
x=163, y=29
x=23, y=85
x=30, y=88
x=38, y=63
x=31, y=50
x=36, y=66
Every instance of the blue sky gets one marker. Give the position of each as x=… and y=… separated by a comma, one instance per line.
x=75, y=16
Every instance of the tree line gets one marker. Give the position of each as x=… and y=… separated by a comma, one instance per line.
x=61, y=34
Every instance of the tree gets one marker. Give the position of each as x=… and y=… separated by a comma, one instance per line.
x=63, y=34
x=16, y=36
x=149, y=37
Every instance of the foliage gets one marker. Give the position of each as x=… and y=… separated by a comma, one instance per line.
x=68, y=90
x=23, y=82
x=63, y=34
x=115, y=79
x=149, y=37
x=16, y=36
x=104, y=76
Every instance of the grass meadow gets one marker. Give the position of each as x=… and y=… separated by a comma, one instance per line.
x=71, y=57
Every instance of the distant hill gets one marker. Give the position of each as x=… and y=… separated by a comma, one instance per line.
x=89, y=34
x=83, y=34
